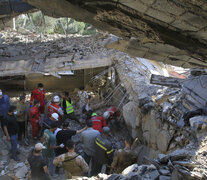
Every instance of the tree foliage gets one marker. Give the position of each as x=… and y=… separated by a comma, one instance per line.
x=39, y=23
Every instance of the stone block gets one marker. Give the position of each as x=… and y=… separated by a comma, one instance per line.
x=135, y=4
x=149, y=2
x=184, y=26
x=164, y=178
x=156, y=14
x=169, y=6
x=194, y=20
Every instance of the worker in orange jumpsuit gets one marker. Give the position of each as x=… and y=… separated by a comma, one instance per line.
x=39, y=94
x=34, y=118
x=54, y=107
x=98, y=122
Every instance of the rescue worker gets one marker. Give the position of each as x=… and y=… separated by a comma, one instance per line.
x=4, y=106
x=124, y=157
x=83, y=102
x=37, y=164
x=54, y=107
x=34, y=118
x=72, y=163
x=87, y=113
x=103, y=152
x=111, y=114
x=98, y=122
x=88, y=138
x=67, y=106
x=39, y=94
x=21, y=116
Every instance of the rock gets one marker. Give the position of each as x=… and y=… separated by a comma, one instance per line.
x=154, y=175
x=21, y=172
x=163, y=158
x=19, y=165
x=164, y=178
x=198, y=123
x=128, y=170
x=4, y=152
x=180, y=154
x=164, y=171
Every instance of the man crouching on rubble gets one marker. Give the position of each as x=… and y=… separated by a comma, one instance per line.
x=37, y=164
x=72, y=163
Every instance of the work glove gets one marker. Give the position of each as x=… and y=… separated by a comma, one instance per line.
x=62, y=145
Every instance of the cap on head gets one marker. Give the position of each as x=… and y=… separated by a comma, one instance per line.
x=106, y=115
x=56, y=99
x=106, y=130
x=39, y=146
x=55, y=116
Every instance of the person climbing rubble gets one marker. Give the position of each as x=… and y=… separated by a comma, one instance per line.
x=67, y=106
x=83, y=102
x=49, y=141
x=98, y=122
x=73, y=164
x=10, y=127
x=124, y=157
x=37, y=164
x=54, y=107
x=65, y=134
x=21, y=116
x=88, y=138
x=111, y=115
x=38, y=94
x=103, y=152
x=35, y=119
x=4, y=106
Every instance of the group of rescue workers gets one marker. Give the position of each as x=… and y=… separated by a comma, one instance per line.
x=50, y=124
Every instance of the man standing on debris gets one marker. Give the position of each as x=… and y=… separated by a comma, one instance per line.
x=21, y=116
x=124, y=157
x=4, y=106
x=67, y=106
x=83, y=101
x=11, y=128
x=49, y=141
x=39, y=94
x=103, y=152
x=72, y=163
x=54, y=107
x=88, y=139
x=98, y=122
x=64, y=135
x=34, y=119
x=37, y=164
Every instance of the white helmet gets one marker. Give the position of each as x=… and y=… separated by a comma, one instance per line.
x=56, y=99
x=106, y=115
x=55, y=116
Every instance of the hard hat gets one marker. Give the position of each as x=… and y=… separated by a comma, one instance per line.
x=94, y=114
x=106, y=115
x=55, y=116
x=56, y=99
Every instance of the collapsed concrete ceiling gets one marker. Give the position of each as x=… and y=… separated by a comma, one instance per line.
x=171, y=31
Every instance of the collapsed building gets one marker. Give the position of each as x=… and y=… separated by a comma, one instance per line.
x=162, y=107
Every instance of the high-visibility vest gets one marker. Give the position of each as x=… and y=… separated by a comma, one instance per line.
x=69, y=106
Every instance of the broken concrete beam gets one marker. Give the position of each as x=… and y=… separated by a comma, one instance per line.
x=166, y=81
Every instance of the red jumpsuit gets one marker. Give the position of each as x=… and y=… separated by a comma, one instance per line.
x=38, y=95
x=34, y=119
x=98, y=123
x=113, y=110
x=54, y=108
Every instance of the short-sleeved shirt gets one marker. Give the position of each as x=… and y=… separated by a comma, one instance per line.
x=48, y=139
x=11, y=123
x=36, y=165
x=21, y=108
x=62, y=137
x=83, y=95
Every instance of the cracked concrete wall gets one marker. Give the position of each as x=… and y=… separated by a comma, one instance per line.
x=171, y=31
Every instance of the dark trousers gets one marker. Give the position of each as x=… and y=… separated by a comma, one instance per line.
x=13, y=140
x=71, y=116
x=21, y=130
x=96, y=168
